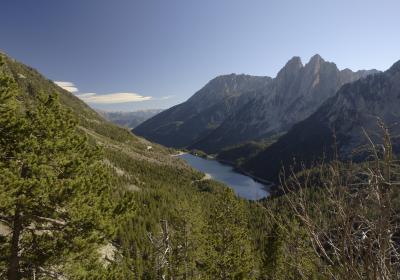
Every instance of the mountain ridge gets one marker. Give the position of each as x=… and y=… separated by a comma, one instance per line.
x=184, y=123
x=296, y=92
x=233, y=109
x=340, y=122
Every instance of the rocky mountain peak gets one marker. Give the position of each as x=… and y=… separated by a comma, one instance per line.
x=315, y=64
x=316, y=59
x=295, y=61
x=291, y=69
x=235, y=108
x=294, y=64
x=350, y=112
x=395, y=68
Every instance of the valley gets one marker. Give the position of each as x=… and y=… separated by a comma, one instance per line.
x=147, y=194
x=199, y=140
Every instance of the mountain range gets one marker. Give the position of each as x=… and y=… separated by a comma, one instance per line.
x=233, y=109
x=344, y=126
x=129, y=119
x=307, y=113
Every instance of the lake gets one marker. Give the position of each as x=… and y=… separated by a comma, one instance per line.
x=244, y=186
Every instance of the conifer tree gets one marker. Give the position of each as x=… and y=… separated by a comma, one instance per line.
x=50, y=181
x=288, y=253
x=229, y=255
x=189, y=240
x=274, y=262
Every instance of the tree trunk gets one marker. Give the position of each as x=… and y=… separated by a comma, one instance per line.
x=13, y=267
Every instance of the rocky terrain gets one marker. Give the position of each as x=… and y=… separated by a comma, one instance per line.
x=234, y=109
x=186, y=123
x=296, y=92
x=345, y=123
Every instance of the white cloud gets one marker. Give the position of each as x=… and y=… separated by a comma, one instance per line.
x=85, y=95
x=68, y=86
x=108, y=98
x=112, y=98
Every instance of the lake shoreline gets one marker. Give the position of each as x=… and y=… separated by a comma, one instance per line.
x=268, y=186
x=242, y=171
x=244, y=185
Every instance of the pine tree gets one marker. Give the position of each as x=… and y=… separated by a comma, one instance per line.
x=274, y=261
x=50, y=181
x=189, y=240
x=229, y=255
x=288, y=253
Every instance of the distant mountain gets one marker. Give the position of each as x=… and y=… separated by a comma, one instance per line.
x=355, y=108
x=130, y=119
x=292, y=96
x=186, y=123
x=235, y=109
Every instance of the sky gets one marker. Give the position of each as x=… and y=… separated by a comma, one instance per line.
x=127, y=55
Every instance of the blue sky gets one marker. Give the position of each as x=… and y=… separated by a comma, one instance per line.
x=157, y=53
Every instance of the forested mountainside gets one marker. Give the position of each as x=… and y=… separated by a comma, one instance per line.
x=81, y=198
x=253, y=111
x=129, y=120
x=341, y=127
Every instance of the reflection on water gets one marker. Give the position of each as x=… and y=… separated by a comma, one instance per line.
x=243, y=185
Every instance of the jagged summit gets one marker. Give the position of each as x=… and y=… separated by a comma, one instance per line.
x=315, y=62
x=316, y=58
x=232, y=109
x=395, y=67
x=295, y=61
x=354, y=109
x=291, y=69
x=226, y=86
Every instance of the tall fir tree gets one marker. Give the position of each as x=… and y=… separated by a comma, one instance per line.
x=229, y=255
x=50, y=185
x=188, y=240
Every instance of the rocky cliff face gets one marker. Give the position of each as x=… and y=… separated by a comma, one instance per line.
x=296, y=93
x=351, y=114
x=182, y=125
x=236, y=108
